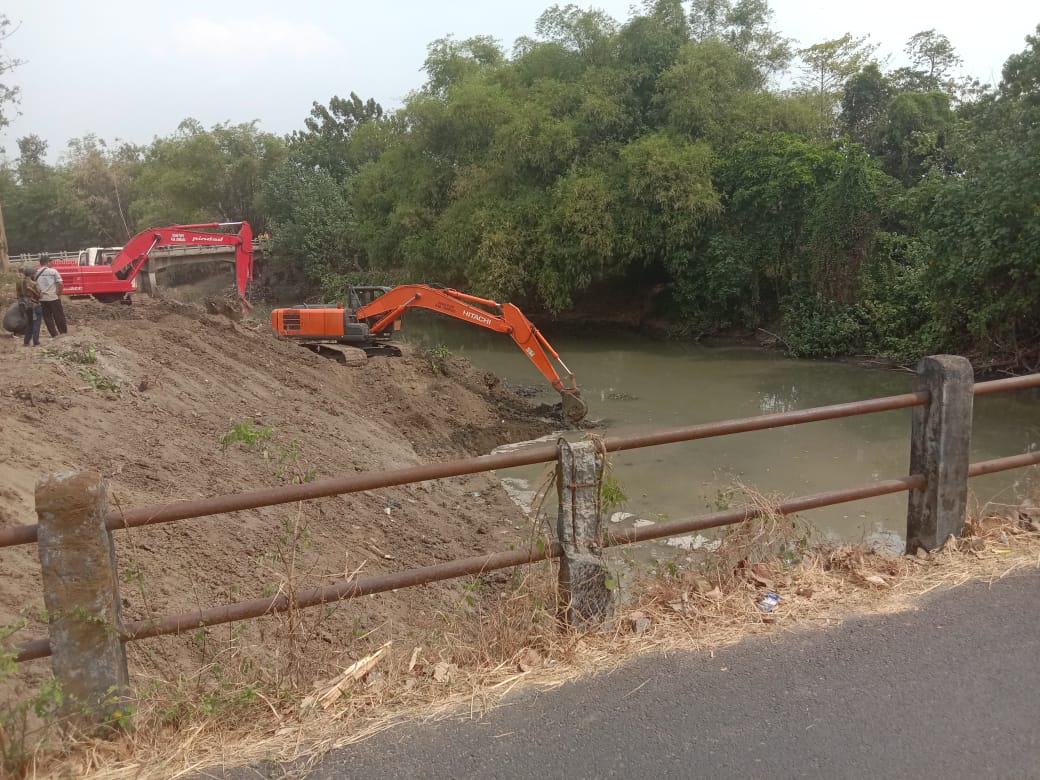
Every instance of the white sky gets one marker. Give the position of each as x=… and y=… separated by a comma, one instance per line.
x=126, y=69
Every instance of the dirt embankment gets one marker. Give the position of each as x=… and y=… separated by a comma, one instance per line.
x=144, y=394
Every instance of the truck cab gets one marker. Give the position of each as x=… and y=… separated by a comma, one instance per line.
x=98, y=255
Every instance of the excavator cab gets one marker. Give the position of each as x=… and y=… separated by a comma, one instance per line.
x=362, y=296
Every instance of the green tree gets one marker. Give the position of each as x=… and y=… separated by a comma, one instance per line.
x=647, y=46
x=827, y=66
x=579, y=240
x=327, y=141
x=768, y=183
x=199, y=175
x=103, y=179
x=44, y=213
x=307, y=195
x=8, y=94
x=711, y=92
x=311, y=218
x=667, y=203
x=915, y=131
x=904, y=128
x=842, y=223
x=932, y=53
x=982, y=222
x=449, y=61
x=590, y=32
x=8, y=98
x=864, y=106
x=745, y=27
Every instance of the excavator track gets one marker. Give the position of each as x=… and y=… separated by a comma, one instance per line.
x=382, y=350
x=351, y=355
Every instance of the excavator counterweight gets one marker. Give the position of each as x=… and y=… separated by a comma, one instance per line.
x=374, y=313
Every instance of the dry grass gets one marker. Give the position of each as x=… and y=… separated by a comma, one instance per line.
x=504, y=635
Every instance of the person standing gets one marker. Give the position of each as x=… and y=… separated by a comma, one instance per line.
x=49, y=281
x=28, y=293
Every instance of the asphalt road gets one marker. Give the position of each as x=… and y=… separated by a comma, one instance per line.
x=951, y=690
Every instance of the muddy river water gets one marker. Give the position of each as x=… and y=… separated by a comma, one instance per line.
x=635, y=384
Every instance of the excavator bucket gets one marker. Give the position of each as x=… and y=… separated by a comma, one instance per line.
x=574, y=407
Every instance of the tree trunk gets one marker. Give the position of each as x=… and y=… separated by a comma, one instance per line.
x=5, y=261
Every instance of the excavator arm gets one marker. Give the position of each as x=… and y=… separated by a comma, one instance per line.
x=117, y=278
x=381, y=314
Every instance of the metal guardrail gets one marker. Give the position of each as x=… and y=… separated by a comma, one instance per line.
x=527, y=456
x=354, y=588
x=383, y=583
x=254, y=499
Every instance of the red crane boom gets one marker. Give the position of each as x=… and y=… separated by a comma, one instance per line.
x=116, y=280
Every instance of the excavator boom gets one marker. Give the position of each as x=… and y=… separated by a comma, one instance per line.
x=114, y=281
x=375, y=319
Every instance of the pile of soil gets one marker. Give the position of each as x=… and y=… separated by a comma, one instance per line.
x=143, y=395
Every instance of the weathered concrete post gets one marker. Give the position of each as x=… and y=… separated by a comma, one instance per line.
x=583, y=574
x=939, y=449
x=81, y=593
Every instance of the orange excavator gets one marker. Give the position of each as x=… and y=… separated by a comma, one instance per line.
x=374, y=313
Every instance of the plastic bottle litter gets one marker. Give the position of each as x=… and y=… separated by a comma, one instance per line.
x=768, y=602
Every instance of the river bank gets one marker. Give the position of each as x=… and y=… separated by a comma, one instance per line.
x=170, y=403
x=636, y=385
x=609, y=312
x=165, y=384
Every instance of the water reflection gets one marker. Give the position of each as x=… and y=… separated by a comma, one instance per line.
x=637, y=385
x=784, y=399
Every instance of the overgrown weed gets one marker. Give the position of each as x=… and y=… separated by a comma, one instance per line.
x=439, y=358
x=86, y=356
x=99, y=381
x=504, y=632
x=247, y=433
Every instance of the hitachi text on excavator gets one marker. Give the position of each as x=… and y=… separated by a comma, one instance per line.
x=374, y=313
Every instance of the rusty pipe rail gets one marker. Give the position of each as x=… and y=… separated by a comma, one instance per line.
x=381, y=583
x=742, y=513
x=540, y=453
x=1024, y=382
x=340, y=591
x=254, y=499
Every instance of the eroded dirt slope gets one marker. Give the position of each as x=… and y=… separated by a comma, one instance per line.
x=168, y=381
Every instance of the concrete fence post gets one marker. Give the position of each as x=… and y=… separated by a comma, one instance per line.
x=583, y=574
x=81, y=593
x=939, y=449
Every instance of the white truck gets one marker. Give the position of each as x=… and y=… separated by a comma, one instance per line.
x=98, y=255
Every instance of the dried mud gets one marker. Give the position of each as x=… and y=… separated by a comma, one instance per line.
x=184, y=378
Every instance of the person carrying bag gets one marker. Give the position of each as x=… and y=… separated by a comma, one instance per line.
x=28, y=293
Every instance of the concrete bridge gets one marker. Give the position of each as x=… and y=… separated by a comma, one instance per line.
x=179, y=256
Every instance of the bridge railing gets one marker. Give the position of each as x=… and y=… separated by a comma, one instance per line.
x=29, y=258
x=75, y=539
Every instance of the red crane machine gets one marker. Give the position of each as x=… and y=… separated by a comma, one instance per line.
x=114, y=280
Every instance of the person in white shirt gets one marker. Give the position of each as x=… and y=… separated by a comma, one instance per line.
x=49, y=281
